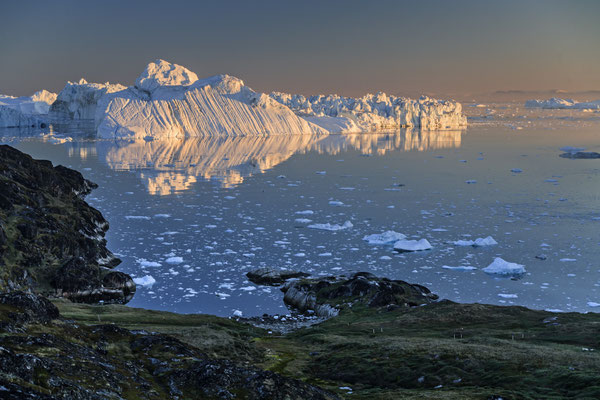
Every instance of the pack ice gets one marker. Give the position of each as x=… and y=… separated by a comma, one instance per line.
x=25, y=111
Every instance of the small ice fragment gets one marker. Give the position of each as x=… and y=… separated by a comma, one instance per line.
x=305, y=212
x=504, y=268
x=460, y=268
x=516, y=170
x=137, y=217
x=412, y=245
x=331, y=227
x=303, y=220
x=570, y=149
x=507, y=295
x=145, y=281
x=174, y=260
x=487, y=241
x=300, y=255
x=470, y=181
x=149, y=264
x=321, y=172
x=568, y=259
x=237, y=313
x=593, y=304
x=387, y=237
x=336, y=203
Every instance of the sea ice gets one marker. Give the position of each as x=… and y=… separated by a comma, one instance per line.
x=412, y=245
x=558, y=103
x=387, y=237
x=174, y=260
x=460, y=268
x=479, y=242
x=504, y=268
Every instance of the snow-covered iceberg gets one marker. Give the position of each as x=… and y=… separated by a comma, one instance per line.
x=25, y=111
x=374, y=112
x=557, y=103
x=504, y=268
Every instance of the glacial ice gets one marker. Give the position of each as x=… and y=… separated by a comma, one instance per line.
x=25, y=111
x=412, y=245
x=387, y=237
x=557, y=103
x=479, y=242
x=504, y=268
x=374, y=112
x=168, y=100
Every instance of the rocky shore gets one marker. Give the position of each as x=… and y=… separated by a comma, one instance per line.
x=358, y=336
x=51, y=240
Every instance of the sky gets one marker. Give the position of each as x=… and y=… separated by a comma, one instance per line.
x=347, y=47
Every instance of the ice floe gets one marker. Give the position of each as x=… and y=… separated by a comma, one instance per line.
x=558, y=103
x=479, y=242
x=459, y=268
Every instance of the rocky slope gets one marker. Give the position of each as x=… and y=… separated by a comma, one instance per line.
x=43, y=357
x=51, y=240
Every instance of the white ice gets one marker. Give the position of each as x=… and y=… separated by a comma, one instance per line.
x=504, y=268
x=387, y=237
x=412, y=245
x=332, y=227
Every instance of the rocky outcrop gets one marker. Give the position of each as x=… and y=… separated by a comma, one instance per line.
x=51, y=240
x=46, y=359
x=273, y=277
x=327, y=296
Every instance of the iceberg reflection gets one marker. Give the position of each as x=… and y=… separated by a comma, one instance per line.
x=171, y=165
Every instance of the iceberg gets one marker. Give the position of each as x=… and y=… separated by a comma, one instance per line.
x=25, y=111
x=557, y=103
x=377, y=112
x=504, y=268
x=146, y=281
x=387, y=237
x=412, y=245
x=479, y=242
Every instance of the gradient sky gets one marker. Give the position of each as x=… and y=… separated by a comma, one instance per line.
x=346, y=47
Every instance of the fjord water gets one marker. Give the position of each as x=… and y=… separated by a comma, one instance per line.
x=197, y=214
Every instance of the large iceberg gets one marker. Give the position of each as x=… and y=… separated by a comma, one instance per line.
x=375, y=112
x=25, y=111
x=557, y=103
x=169, y=100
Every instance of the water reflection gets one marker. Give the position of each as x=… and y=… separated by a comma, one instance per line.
x=172, y=165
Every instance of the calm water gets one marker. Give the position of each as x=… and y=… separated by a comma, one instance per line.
x=197, y=214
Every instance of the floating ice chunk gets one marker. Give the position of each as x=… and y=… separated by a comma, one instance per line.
x=487, y=241
x=504, y=268
x=387, y=237
x=331, y=227
x=162, y=216
x=568, y=259
x=516, y=170
x=174, y=260
x=300, y=255
x=558, y=103
x=460, y=268
x=151, y=264
x=303, y=220
x=470, y=181
x=248, y=288
x=137, y=217
x=237, y=313
x=145, y=281
x=479, y=242
x=507, y=295
x=336, y=203
x=593, y=304
x=305, y=212
x=412, y=245
x=385, y=258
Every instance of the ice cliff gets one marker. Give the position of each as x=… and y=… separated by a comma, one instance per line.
x=374, y=112
x=557, y=103
x=25, y=111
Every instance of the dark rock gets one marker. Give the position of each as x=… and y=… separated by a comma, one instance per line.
x=30, y=307
x=52, y=241
x=273, y=277
x=325, y=297
x=581, y=155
